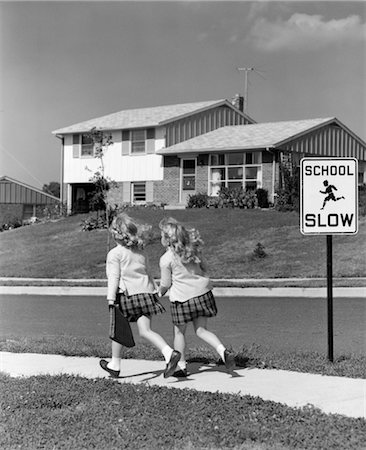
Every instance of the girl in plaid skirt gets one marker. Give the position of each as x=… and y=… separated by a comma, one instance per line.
x=127, y=273
x=183, y=271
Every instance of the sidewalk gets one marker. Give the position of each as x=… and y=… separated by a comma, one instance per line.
x=332, y=395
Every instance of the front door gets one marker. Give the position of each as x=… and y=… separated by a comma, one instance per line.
x=188, y=179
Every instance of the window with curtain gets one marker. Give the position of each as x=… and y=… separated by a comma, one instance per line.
x=235, y=170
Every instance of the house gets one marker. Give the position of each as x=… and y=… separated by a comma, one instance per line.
x=164, y=154
x=20, y=202
x=133, y=161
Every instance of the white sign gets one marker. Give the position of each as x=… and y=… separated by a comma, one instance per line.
x=328, y=196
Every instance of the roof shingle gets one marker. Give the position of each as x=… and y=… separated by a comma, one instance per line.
x=251, y=136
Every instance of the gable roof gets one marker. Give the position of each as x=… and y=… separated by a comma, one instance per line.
x=144, y=117
x=7, y=179
x=251, y=136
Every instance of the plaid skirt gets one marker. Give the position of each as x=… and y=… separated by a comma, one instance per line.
x=183, y=312
x=135, y=306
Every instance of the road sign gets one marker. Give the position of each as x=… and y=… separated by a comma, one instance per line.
x=328, y=196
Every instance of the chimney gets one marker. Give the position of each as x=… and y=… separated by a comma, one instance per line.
x=238, y=102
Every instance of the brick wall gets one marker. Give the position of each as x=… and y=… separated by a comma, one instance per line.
x=167, y=190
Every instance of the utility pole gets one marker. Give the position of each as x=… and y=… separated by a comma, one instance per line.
x=246, y=70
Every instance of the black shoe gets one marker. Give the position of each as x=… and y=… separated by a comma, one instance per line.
x=172, y=364
x=229, y=360
x=181, y=373
x=113, y=373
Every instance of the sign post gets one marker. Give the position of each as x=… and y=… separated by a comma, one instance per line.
x=329, y=205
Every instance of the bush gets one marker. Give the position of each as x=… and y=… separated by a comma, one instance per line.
x=288, y=197
x=15, y=223
x=198, y=201
x=362, y=200
x=262, y=196
x=237, y=198
x=259, y=252
x=94, y=223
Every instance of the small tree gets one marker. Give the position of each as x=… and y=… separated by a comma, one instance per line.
x=102, y=184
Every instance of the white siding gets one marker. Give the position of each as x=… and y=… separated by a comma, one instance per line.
x=117, y=167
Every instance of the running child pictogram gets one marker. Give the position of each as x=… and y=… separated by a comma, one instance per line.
x=329, y=188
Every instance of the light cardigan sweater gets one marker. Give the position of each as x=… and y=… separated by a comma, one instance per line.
x=127, y=271
x=184, y=280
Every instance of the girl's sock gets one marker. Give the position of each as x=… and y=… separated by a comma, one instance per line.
x=167, y=353
x=182, y=365
x=114, y=363
x=221, y=350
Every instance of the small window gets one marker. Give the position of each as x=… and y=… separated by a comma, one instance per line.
x=87, y=146
x=138, y=138
x=253, y=158
x=138, y=192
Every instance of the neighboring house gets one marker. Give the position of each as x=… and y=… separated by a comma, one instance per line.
x=164, y=154
x=20, y=202
x=133, y=160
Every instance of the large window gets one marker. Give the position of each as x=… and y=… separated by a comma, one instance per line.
x=138, y=192
x=138, y=139
x=87, y=146
x=235, y=170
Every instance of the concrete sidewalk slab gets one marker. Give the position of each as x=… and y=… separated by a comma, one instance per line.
x=338, y=292
x=332, y=395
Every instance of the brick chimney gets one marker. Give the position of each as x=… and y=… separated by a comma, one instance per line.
x=238, y=102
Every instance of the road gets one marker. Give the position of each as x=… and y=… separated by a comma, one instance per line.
x=278, y=323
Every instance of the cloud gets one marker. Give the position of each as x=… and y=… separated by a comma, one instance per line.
x=304, y=32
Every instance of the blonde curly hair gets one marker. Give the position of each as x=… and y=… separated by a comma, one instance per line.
x=128, y=233
x=185, y=243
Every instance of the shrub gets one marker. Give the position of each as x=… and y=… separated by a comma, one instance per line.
x=259, y=252
x=94, y=223
x=198, y=201
x=15, y=223
x=237, y=198
x=362, y=200
x=262, y=196
x=287, y=198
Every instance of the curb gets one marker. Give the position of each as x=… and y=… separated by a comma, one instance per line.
x=338, y=292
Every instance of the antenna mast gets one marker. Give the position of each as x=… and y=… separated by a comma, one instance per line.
x=246, y=70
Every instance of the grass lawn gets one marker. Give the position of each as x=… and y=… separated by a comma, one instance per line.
x=61, y=250
x=65, y=412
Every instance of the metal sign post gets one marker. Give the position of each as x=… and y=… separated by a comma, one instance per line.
x=329, y=205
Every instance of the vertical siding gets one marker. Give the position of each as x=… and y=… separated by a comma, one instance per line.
x=197, y=124
x=11, y=192
x=329, y=141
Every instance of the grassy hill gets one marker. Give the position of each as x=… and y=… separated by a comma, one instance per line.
x=60, y=249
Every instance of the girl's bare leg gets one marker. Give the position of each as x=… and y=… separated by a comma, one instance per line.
x=180, y=343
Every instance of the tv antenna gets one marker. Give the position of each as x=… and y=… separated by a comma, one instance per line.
x=246, y=81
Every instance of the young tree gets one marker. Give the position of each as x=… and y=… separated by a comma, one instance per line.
x=102, y=184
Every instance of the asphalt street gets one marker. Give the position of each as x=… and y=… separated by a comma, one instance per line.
x=278, y=323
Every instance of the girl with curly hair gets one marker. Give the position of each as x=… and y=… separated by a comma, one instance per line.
x=128, y=274
x=183, y=271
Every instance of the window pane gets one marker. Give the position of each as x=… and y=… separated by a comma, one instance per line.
x=249, y=158
x=189, y=183
x=87, y=150
x=215, y=188
x=251, y=173
x=235, y=173
x=139, y=192
x=235, y=184
x=217, y=160
x=138, y=147
x=86, y=139
x=138, y=135
x=189, y=166
x=217, y=174
x=235, y=159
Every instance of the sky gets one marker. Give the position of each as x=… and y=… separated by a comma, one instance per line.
x=66, y=62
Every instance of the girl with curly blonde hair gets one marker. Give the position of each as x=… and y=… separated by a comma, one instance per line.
x=183, y=271
x=129, y=278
